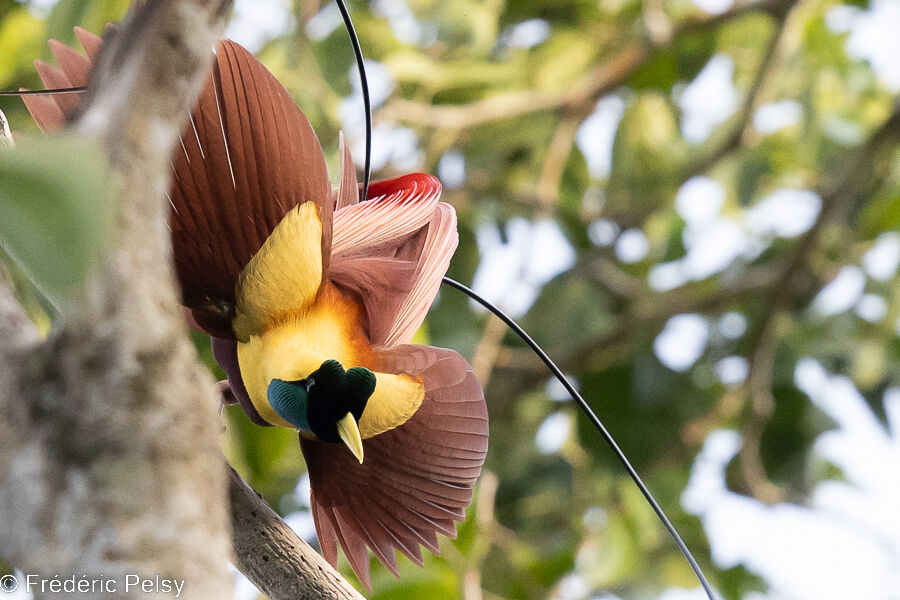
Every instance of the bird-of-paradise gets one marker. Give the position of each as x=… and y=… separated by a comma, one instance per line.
x=311, y=297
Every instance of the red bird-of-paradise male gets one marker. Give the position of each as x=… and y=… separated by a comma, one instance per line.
x=311, y=298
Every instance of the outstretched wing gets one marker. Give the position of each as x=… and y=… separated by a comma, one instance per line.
x=247, y=156
x=416, y=480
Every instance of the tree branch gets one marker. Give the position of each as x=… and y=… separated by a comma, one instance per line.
x=277, y=560
x=112, y=468
x=599, y=82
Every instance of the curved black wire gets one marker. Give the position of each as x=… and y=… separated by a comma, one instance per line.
x=68, y=90
x=364, y=87
x=511, y=323
x=660, y=513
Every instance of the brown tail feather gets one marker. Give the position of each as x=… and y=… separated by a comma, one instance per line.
x=417, y=479
x=44, y=111
x=75, y=65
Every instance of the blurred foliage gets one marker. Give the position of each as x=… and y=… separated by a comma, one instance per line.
x=513, y=114
x=66, y=178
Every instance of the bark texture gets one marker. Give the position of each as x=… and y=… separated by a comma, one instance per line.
x=276, y=559
x=109, y=464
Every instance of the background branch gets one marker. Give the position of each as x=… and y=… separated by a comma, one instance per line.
x=597, y=83
x=737, y=135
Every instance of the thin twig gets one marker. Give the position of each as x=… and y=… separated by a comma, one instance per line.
x=738, y=133
x=485, y=356
x=761, y=405
x=485, y=522
x=557, y=156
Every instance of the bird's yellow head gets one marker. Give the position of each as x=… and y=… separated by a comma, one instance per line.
x=328, y=403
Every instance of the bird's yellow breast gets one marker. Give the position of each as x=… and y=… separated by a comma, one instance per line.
x=288, y=323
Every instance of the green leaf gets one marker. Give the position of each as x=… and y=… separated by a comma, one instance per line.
x=55, y=212
x=682, y=62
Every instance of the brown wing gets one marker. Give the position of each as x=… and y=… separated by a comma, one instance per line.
x=416, y=480
x=246, y=157
x=390, y=249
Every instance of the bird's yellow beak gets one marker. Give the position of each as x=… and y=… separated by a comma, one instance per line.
x=349, y=432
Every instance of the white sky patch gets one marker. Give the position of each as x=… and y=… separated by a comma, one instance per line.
x=883, y=258
x=553, y=433
x=555, y=390
x=732, y=325
x=712, y=248
x=41, y=9
x=243, y=587
x=20, y=592
x=302, y=523
x=572, y=587
x=846, y=544
x=398, y=146
x=775, y=116
x=682, y=341
x=709, y=100
x=595, y=517
x=699, y=201
x=841, y=293
x=810, y=376
x=390, y=144
x=527, y=34
x=785, y=213
x=632, y=246
x=603, y=232
x=732, y=370
x=873, y=37
x=839, y=18
x=597, y=133
x=381, y=84
x=452, y=169
x=512, y=274
x=872, y=308
x=256, y=22
x=712, y=242
x=402, y=20
x=302, y=491
x=324, y=22
x=666, y=276
x=713, y=7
